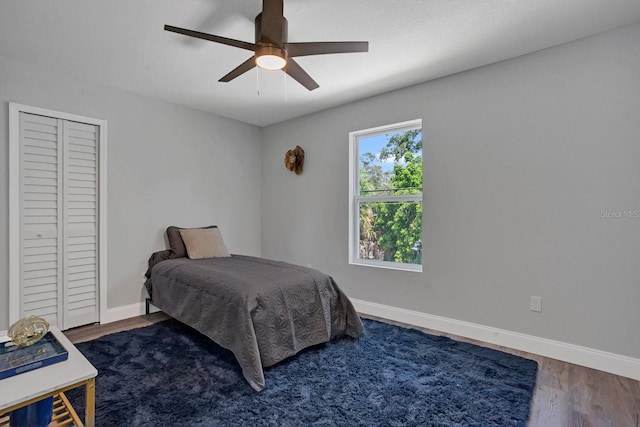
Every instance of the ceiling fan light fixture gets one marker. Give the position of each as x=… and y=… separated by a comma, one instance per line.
x=271, y=62
x=271, y=58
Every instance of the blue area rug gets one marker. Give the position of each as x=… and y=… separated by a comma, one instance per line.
x=168, y=374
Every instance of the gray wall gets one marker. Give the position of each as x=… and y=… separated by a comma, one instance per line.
x=167, y=165
x=524, y=161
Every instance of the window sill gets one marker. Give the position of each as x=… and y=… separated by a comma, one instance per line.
x=416, y=268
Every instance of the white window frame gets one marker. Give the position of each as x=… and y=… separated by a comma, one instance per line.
x=355, y=198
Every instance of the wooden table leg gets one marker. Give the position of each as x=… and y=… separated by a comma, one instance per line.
x=90, y=408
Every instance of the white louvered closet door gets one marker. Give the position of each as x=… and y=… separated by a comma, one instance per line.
x=58, y=220
x=80, y=224
x=40, y=236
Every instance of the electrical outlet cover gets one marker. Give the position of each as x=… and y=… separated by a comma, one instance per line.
x=536, y=304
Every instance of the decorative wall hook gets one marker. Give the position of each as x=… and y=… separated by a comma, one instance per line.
x=294, y=160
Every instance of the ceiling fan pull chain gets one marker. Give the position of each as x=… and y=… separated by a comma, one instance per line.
x=284, y=76
x=258, y=79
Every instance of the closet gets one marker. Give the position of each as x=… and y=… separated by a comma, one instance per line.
x=55, y=216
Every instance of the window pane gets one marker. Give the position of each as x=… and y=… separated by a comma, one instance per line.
x=391, y=231
x=390, y=163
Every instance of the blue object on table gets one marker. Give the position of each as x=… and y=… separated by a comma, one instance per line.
x=35, y=415
x=16, y=360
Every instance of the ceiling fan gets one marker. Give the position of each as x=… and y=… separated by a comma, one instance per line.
x=271, y=49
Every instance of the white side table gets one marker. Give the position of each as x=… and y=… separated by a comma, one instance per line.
x=29, y=387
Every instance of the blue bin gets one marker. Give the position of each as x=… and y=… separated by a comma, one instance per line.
x=35, y=415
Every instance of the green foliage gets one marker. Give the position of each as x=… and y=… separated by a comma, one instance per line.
x=372, y=177
x=399, y=226
x=392, y=230
x=402, y=143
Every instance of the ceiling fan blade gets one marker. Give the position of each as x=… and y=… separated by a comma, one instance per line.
x=297, y=73
x=240, y=69
x=323, y=48
x=272, y=27
x=211, y=37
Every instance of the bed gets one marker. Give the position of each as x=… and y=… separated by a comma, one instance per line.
x=263, y=311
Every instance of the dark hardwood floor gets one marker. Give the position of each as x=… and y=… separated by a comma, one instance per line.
x=566, y=395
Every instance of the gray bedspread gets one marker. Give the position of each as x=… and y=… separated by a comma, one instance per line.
x=263, y=311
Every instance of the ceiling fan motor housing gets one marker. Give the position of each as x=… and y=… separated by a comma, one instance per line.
x=266, y=40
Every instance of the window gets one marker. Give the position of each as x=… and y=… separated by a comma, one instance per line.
x=386, y=196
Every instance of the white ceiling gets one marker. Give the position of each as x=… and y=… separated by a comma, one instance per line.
x=121, y=43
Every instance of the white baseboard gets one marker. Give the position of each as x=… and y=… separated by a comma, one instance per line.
x=122, y=312
x=609, y=362
x=125, y=312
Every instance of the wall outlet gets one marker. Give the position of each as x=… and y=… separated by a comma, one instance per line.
x=536, y=304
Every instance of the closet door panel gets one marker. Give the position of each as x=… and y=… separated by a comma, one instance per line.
x=40, y=205
x=80, y=224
